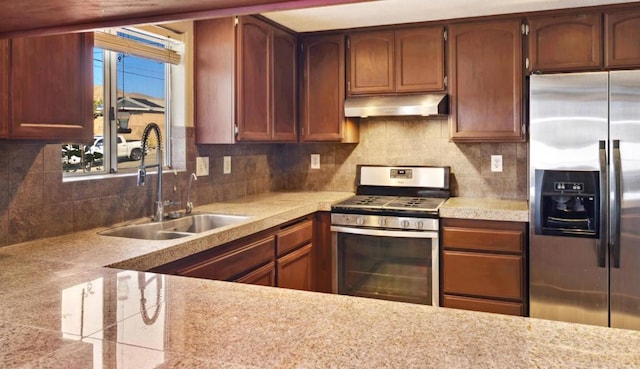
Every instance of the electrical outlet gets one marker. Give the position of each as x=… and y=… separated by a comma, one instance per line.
x=226, y=165
x=315, y=161
x=202, y=166
x=496, y=163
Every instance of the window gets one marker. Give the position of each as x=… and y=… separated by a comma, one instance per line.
x=132, y=84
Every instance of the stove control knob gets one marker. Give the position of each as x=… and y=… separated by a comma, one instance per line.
x=420, y=224
x=404, y=224
x=382, y=222
x=359, y=220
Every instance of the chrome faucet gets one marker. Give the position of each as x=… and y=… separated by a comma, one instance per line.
x=189, y=206
x=142, y=170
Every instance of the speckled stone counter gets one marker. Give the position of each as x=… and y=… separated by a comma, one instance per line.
x=59, y=308
x=485, y=209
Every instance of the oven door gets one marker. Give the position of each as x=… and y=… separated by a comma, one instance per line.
x=386, y=264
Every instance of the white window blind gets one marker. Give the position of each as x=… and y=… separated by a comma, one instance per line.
x=129, y=46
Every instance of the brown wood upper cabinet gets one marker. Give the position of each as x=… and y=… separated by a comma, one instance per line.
x=322, y=90
x=565, y=42
x=4, y=88
x=622, y=32
x=486, y=75
x=255, y=60
x=47, y=88
x=396, y=61
x=484, y=266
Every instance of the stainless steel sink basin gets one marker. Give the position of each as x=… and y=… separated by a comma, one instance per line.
x=175, y=228
x=202, y=222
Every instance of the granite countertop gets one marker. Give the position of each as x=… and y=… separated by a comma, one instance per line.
x=485, y=209
x=60, y=308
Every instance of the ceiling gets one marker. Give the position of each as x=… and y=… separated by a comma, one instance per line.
x=383, y=12
x=38, y=17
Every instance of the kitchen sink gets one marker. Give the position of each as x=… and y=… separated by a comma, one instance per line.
x=175, y=228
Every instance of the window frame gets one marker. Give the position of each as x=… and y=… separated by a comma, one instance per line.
x=110, y=134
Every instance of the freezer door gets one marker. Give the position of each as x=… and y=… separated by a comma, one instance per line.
x=625, y=199
x=568, y=127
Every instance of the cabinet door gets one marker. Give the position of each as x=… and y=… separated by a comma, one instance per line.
x=419, y=54
x=52, y=87
x=294, y=269
x=323, y=88
x=4, y=88
x=263, y=276
x=371, y=63
x=285, y=107
x=622, y=32
x=214, y=80
x=565, y=43
x=486, y=75
x=253, y=80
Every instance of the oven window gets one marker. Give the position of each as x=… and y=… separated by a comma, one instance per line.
x=388, y=268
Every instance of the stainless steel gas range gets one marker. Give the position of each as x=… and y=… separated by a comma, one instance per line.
x=385, y=238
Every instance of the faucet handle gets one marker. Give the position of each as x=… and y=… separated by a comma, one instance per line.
x=142, y=175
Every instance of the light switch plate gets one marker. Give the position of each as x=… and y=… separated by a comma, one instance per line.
x=315, y=161
x=226, y=165
x=202, y=166
x=496, y=163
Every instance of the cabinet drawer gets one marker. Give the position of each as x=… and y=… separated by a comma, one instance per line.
x=483, y=239
x=294, y=236
x=234, y=263
x=479, y=274
x=488, y=306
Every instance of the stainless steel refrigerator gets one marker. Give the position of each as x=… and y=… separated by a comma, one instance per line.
x=584, y=163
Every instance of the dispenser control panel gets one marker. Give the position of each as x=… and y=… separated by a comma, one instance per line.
x=568, y=186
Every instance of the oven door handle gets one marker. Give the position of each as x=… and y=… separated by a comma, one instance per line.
x=385, y=233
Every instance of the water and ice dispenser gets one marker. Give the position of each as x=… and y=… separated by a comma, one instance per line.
x=567, y=203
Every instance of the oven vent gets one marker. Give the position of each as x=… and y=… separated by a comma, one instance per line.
x=401, y=105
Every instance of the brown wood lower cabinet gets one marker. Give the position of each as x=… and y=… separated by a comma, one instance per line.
x=281, y=256
x=294, y=264
x=230, y=265
x=484, y=266
x=294, y=269
x=488, y=306
x=263, y=276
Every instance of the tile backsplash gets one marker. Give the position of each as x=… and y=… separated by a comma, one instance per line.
x=408, y=141
x=36, y=203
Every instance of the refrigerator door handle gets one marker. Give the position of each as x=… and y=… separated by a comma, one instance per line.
x=601, y=242
x=617, y=205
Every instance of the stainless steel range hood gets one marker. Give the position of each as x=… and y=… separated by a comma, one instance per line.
x=402, y=105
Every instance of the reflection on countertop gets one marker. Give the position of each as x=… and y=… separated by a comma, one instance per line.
x=63, y=310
